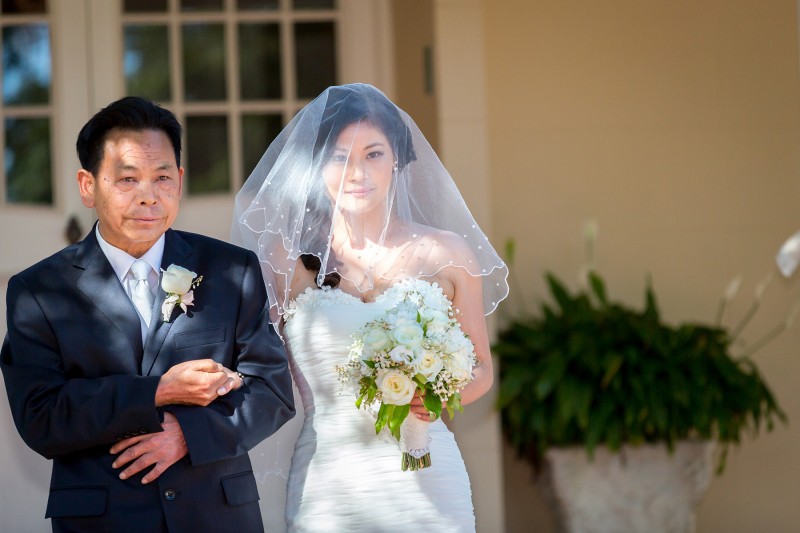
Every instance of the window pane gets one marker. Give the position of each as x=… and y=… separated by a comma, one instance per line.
x=315, y=49
x=147, y=61
x=314, y=4
x=252, y=5
x=259, y=61
x=27, y=164
x=24, y=6
x=26, y=64
x=201, y=5
x=145, y=6
x=204, y=62
x=207, y=154
x=258, y=132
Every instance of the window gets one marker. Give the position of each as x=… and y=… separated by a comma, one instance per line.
x=26, y=109
x=234, y=71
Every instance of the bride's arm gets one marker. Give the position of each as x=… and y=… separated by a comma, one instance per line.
x=466, y=293
x=468, y=301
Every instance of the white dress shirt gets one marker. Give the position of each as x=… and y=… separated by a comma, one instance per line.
x=121, y=262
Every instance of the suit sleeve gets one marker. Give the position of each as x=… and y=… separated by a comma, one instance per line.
x=233, y=424
x=56, y=414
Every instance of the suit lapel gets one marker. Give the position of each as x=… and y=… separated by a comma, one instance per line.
x=101, y=285
x=176, y=251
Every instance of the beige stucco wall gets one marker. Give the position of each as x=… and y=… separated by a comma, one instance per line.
x=676, y=126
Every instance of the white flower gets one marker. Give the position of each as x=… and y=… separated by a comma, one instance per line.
x=428, y=363
x=179, y=284
x=435, y=321
x=460, y=367
x=406, y=311
x=396, y=388
x=416, y=344
x=733, y=288
x=408, y=333
x=375, y=340
x=401, y=354
x=177, y=279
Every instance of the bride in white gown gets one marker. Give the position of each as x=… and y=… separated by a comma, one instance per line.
x=347, y=201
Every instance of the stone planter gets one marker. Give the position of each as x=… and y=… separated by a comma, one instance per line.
x=638, y=489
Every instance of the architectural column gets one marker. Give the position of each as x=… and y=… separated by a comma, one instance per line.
x=464, y=149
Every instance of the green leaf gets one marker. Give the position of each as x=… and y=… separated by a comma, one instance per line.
x=432, y=403
x=399, y=413
x=598, y=287
x=384, y=414
x=611, y=370
x=559, y=292
x=510, y=251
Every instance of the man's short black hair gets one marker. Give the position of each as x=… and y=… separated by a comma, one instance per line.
x=132, y=113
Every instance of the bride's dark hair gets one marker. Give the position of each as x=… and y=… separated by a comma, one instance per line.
x=349, y=104
x=345, y=106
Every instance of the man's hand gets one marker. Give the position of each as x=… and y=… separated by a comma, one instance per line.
x=195, y=383
x=159, y=449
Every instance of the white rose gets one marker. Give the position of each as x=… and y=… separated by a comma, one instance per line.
x=428, y=364
x=396, y=387
x=408, y=333
x=177, y=279
x=401, y=354
x=456, y=343
x=375, y=340
x=439, y=324
x=406, y=311
x=460, y=364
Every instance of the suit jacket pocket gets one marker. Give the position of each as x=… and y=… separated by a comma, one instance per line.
x=199, y=337
x=240, y=488
x=76, y=501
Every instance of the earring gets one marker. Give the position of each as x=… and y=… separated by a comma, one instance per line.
x=394, y=168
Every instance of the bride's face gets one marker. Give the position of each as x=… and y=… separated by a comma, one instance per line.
x=361, y=167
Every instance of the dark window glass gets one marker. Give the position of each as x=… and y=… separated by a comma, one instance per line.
x=28, y=7
x=259, y=61
x=207, y=166
x=144, y=6
x=314, y=4
x=26, y=64
x=27, y=161
x=147, y=61
x=254, y=5
x=315, y=50
x=204, y=62
x=201, y=5
x=258, y=132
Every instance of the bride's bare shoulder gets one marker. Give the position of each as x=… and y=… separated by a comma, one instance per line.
x=443, y=245
x=432, y=250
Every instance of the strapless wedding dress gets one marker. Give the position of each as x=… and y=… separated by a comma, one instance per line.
x=344, y=477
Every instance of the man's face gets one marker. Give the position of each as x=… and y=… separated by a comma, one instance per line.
x=136, y=190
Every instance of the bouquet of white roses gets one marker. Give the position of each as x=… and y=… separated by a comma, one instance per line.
x=416, y=346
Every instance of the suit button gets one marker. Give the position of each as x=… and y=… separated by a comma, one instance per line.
x=142, y=431
x=169, y=495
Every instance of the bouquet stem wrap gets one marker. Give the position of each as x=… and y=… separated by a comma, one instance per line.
x=415, y=443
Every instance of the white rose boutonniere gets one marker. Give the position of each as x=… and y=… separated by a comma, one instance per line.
x=179, y=284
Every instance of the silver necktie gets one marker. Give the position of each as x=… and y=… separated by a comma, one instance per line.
x=141, y=296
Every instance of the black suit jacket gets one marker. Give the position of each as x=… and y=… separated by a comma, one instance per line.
x=78, y=379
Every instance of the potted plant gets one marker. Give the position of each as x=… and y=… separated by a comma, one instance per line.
x=588, y=382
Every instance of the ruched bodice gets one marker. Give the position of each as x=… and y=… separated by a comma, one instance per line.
x=343, y=476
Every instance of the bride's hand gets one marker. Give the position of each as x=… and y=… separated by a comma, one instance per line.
x=418, y=409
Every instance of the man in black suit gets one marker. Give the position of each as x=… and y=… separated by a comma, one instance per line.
x=147, y=410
